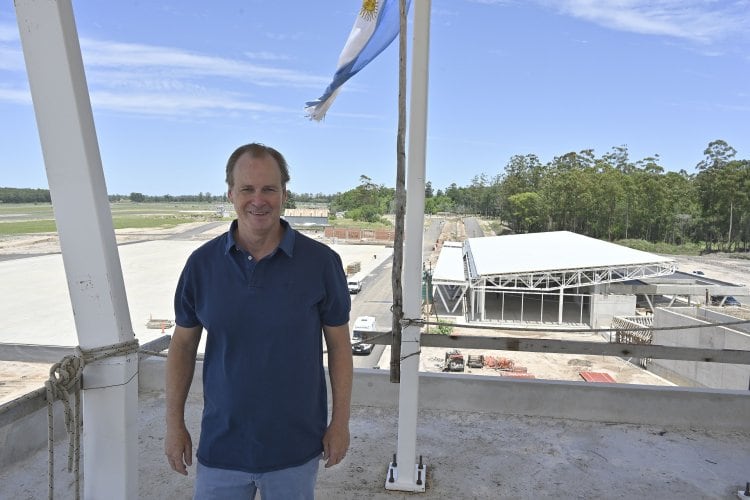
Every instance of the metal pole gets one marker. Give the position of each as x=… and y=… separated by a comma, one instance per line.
x=84, y=223
x=406, y=475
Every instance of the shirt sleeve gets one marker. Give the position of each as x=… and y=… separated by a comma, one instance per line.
x=184, y=299
x=337, y=303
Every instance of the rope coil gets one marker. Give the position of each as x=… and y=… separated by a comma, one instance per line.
x=65, y=381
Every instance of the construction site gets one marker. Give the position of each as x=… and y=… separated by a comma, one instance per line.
x=102, y=306
x=580, y=415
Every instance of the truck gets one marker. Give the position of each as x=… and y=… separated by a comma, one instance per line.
x=363, y=324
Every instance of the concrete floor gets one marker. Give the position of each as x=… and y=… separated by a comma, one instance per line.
x=469, y=455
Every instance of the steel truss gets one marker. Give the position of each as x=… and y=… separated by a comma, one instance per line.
x=567, y=278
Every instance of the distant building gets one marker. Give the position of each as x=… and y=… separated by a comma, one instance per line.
x=540, y=278
x=306, y=217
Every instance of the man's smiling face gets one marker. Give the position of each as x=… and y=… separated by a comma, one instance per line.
x=257, y=194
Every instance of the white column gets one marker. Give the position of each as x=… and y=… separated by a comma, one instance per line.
x=483, y=300
x=89, y=250
x=406, y=474
x=560, y=307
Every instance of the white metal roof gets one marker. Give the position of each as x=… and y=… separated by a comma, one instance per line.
x=552, y=251
x=449, y=267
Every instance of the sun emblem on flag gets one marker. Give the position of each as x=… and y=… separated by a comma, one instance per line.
x=369, y=9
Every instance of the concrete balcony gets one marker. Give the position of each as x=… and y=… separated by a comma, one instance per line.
x=480, y=437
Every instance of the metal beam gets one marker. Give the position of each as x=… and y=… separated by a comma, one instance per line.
x=522, y=344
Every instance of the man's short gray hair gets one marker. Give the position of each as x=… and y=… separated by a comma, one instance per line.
x=257, y=150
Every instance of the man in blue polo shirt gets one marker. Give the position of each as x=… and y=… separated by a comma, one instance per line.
x=263, y=293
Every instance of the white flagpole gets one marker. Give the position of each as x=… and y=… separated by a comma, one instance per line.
x=406, y=474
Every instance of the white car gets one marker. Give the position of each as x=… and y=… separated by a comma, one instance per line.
x=355, y=286
x=362, y=324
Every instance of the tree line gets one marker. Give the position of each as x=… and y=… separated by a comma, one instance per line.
x=27, y=195
x=607, y=197
x=24, y=195
x=612, y=198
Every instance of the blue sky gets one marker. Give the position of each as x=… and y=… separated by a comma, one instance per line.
x=176, y=85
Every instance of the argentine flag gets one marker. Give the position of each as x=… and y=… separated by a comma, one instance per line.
x=375, y=28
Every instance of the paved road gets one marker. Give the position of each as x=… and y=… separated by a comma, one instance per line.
x=472, y=227
x=376, y=296
x=187, y=234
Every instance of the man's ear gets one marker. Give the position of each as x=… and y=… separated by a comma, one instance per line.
x=229, y=195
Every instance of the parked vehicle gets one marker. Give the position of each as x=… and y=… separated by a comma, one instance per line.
x=731, y=301
x=362, y=325
x=355, y=286
x=699, y=272
x=719, y=300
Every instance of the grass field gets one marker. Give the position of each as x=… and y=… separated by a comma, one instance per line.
x=29, y=218
x=26, y=218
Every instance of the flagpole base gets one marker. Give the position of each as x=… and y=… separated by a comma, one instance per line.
x=392, y=481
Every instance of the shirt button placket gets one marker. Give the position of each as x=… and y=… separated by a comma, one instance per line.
x=250, y=270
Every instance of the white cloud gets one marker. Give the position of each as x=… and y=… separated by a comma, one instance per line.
x=8, y=32
x=139, y=58
x=696, y=20
x=176, y=104
x=490, y=2
x=267, y=56
x=11, y=59
x=156, y=80
x=15, y=95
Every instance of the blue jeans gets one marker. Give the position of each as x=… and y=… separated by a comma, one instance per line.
x=293, y=483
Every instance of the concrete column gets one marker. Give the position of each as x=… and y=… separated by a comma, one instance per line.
x=89, y=250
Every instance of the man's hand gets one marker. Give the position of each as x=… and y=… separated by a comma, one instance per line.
x=180, y=367
x=179, y=449
x=335, y=444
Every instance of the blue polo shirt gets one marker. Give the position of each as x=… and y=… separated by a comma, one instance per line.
x=264, y=390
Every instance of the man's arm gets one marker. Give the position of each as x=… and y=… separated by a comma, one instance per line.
x=180, y=367
x=340, y=370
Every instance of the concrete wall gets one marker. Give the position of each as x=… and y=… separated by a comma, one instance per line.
x=604, y=307
x=698, y=373
x=673, y=407
x=667, y=407
x=21, y=435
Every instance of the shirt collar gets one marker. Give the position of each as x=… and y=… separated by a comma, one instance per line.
x=286, y=244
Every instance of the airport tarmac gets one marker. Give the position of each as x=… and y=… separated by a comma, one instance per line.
x=35, y=303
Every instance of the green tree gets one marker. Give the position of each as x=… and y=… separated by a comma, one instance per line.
x=526, y=212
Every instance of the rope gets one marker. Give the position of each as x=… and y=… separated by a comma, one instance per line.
x=65, y=381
